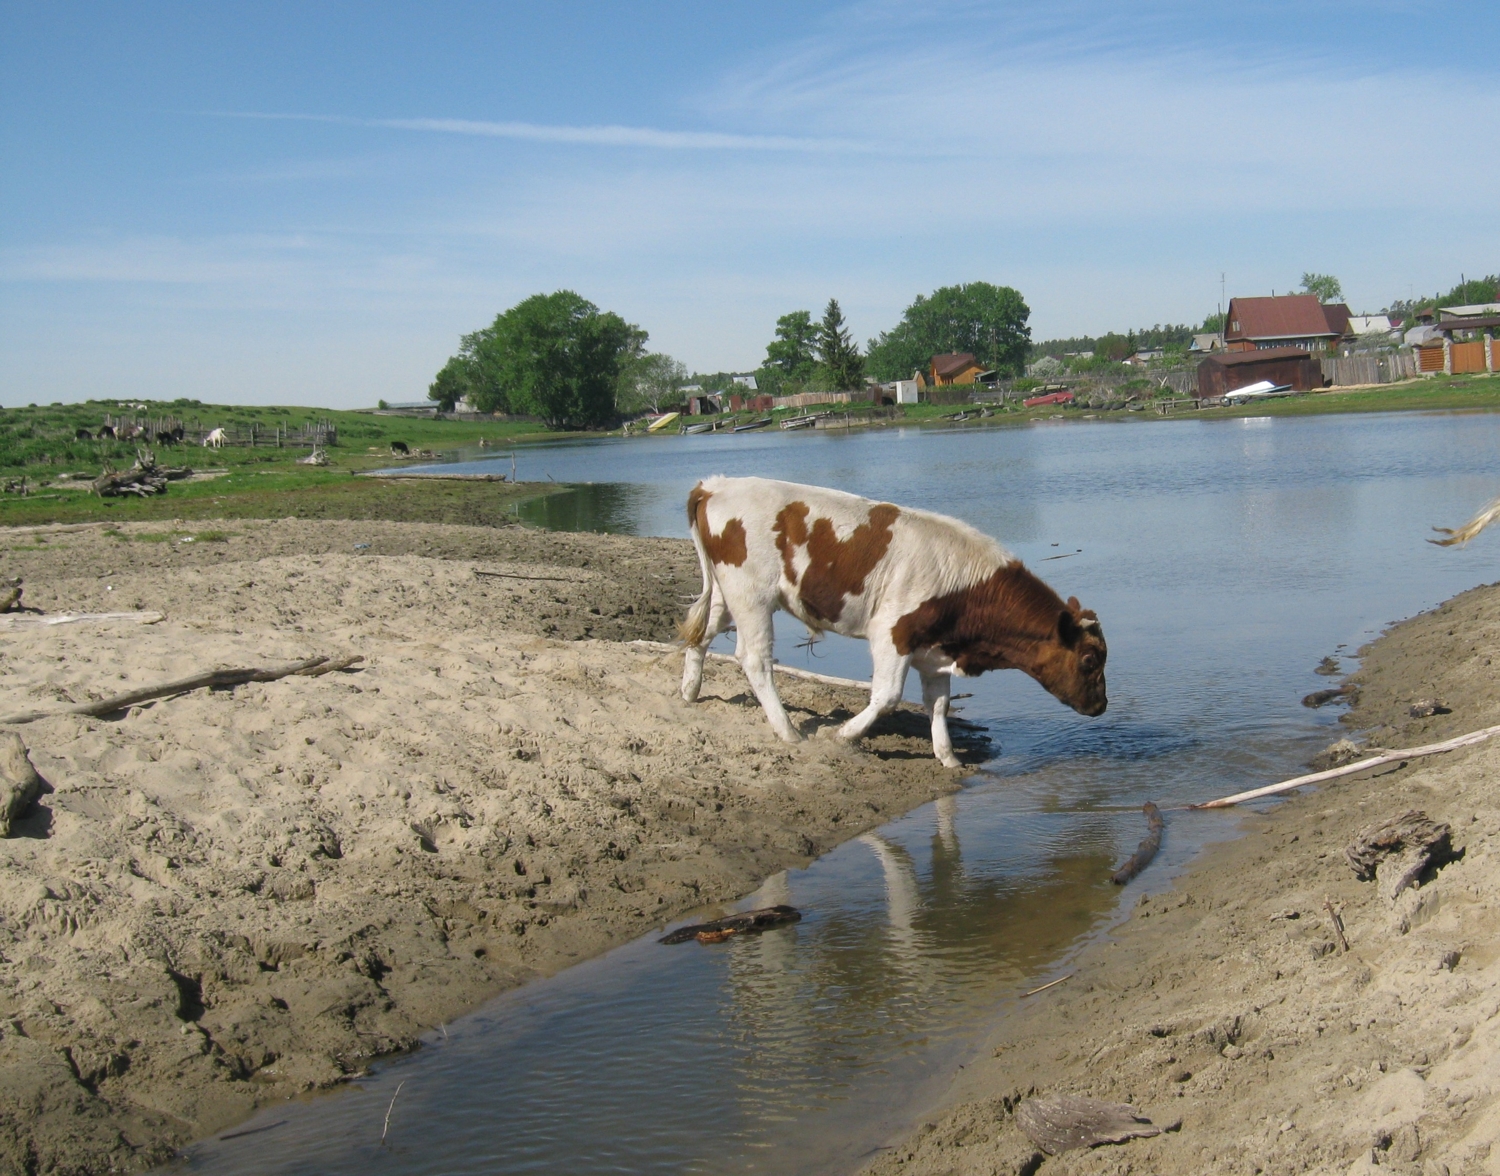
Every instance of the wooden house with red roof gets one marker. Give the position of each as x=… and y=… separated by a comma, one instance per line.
x=1287, y=320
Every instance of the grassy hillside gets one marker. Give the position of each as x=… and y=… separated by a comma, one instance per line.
x=39, y=445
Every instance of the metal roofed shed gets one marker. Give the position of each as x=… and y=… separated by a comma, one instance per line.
x=1218, y=375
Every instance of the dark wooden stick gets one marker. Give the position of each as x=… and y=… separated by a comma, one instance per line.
x=520, y=576
x=1338, y=923
x=210, y=678
x=1141, y=858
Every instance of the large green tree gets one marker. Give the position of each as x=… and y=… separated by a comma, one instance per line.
x=556, y=356
x=454, y=381
x=794, y=350
x=649, y=381
x=1325, y=286
x=839, y=359
x=988, y=321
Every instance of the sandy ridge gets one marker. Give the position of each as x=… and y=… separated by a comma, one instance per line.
x=231, y=896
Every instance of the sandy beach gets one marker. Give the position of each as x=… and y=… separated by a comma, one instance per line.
x=1226, y=1011
x=227, y=897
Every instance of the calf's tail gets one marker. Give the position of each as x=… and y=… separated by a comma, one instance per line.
x=695, y=625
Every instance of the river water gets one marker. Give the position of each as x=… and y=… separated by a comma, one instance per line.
x=1224, y=558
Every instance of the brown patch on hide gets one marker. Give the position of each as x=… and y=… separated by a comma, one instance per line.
x=1013, y=620
x=728, y=546
x=836, y=567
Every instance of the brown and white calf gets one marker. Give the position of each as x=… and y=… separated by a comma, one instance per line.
x=925, y=590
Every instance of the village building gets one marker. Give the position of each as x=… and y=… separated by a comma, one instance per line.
x=1205, y=343
x=1290, y=367
x=1288, y=320
x=956, y=368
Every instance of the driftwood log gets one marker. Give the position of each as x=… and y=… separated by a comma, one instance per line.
x=1374, y=761
x=1064, y=1122
x=1400, y=850
x=142, y=479
x=311, y=667
x=745, y=922
x=19, y=783
x=1141, y=858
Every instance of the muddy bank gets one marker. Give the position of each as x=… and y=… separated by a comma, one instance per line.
x=228, y=897
x=1226, y=1003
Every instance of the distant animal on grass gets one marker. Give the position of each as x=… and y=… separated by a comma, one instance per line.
x=105, y=431
x=1478, y=523
x=214, y=439
x=400, y=447
x=928, y=592
x=83, y=435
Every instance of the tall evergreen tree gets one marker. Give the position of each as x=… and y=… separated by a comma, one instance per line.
x=838, y=354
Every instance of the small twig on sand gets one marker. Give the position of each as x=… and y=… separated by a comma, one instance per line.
x=519, y=576
x=1338, y=923
x=34, y=620
x=1364, y=765
x=1053, y=984
x=212, y=678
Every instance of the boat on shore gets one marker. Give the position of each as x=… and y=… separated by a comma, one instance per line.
x=802, y=422
x=748, y=426
x=701, y=427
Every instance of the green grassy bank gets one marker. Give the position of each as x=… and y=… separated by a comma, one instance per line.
x=39, y=445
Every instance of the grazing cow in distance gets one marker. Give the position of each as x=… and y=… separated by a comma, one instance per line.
x=84, y=435
x=401, y=448
x=925, y=590
x=106, y=431
x=215, y=438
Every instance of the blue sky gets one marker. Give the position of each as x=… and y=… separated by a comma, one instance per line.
x=309, y=203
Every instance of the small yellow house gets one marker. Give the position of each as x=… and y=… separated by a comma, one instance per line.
x=955, y=368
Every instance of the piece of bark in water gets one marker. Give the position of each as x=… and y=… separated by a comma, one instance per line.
x=746, y=921
x=1064, y=1122
x=19, y=783
x=1141, y=858
x=1323, y=697
x=1417, y=842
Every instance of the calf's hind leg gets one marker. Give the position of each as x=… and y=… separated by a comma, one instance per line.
x=753, y=649
x=692, y=660
x=887, y=680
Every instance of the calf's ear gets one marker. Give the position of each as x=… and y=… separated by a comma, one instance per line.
x=1073, y=603
x=1068, y=631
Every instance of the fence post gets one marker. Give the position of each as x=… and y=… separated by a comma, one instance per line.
x=1489, y=352
x=1447, y=355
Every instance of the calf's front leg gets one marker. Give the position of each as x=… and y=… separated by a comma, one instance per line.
x=935, y=697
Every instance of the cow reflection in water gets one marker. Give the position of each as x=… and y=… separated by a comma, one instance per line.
x=935, y=939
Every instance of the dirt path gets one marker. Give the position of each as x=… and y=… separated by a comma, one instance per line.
x=226, y=897
x=1227, y=1005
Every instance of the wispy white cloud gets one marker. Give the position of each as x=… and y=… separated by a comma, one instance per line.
x=591, y=136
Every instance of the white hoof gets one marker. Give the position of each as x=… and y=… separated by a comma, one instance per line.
x=949, y=761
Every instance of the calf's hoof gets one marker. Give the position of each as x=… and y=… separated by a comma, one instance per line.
x=949, y=761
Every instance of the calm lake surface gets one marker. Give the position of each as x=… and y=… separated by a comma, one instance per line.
x=1225, y=558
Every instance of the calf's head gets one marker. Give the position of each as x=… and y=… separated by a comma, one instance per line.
x=1070, y=661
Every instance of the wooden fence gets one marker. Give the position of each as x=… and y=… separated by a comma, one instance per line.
x=1346, y=371
x=808, y=399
